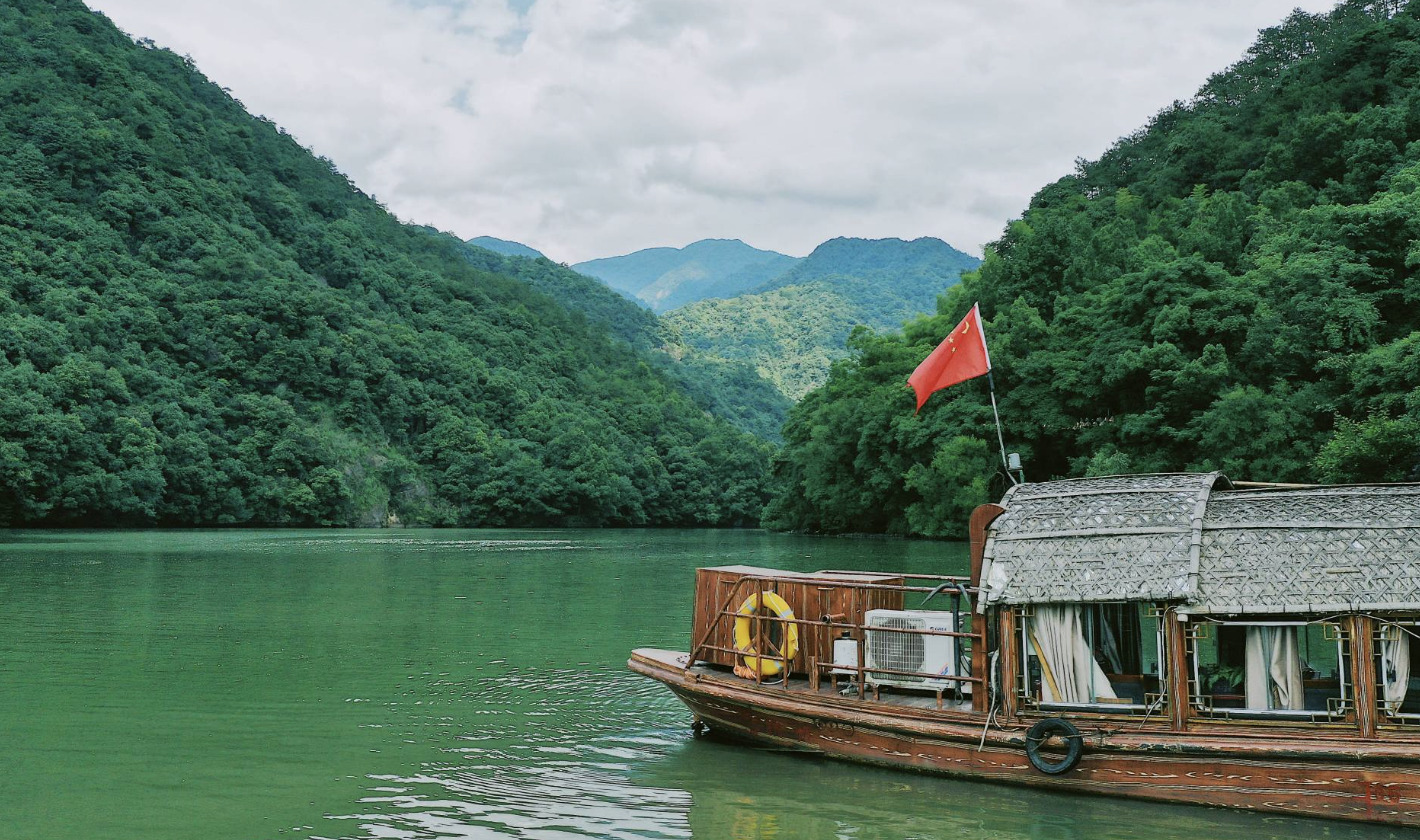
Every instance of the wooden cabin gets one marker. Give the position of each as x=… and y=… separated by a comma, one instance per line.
x=1180, y=595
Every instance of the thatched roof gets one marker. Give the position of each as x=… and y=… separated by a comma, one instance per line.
x=1191, y=539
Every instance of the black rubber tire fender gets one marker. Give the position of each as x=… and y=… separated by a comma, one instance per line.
x=1043, y=731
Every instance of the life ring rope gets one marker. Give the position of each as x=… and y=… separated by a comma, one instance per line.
x=744, y=639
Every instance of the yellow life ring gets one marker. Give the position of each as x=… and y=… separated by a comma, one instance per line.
x=744, y=641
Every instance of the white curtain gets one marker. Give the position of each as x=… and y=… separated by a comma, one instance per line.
x=1274, y=669
x=1068, y=670
x=1395, y=666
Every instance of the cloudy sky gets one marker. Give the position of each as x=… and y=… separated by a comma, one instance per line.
x=590, y=128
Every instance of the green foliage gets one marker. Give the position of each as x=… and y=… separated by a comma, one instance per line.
x=1233, y=288
x=788, y=335
x=1378, y=448
x=201, y=323
x=949, y=487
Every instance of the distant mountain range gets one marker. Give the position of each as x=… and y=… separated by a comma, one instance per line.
x=794, y=326
x=665, y=278
x=788, y=318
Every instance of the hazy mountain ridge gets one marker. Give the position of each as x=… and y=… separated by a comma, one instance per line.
x=506, y=247
x=875, y=259
x=665, y=278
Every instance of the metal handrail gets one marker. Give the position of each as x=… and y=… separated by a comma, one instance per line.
x=904, y=576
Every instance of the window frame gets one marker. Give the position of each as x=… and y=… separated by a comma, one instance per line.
x=1154, y=702
x=1333, y=628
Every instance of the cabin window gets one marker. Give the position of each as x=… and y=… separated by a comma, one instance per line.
x=1103, y=656
x=1269, y=668
x=1397, y=669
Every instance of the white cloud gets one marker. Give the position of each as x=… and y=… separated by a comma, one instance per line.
x=590, y=128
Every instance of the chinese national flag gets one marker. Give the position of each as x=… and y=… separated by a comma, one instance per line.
x=960, y=357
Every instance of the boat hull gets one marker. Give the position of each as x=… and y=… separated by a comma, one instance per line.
x=1305, y=777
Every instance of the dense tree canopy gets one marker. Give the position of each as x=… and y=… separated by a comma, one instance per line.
x=727, y=388
x=1235, y=287
x=201, y=323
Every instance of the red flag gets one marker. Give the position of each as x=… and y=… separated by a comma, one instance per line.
x=960, y=357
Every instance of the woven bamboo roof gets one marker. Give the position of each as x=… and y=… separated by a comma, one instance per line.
x=1323, y=549
x=1191, y=539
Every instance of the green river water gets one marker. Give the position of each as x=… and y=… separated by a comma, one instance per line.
x=439, y=684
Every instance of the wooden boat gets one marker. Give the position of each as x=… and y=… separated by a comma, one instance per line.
x=1165, y=637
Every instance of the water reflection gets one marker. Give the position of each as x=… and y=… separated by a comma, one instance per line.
x=743, y=793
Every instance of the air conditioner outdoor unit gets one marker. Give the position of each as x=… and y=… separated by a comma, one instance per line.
x=916, y=652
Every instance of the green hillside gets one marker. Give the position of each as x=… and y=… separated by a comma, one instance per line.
x=202, y=323
x=665, y=278
x=728, y=389
x=793, y=327
x=504, y=247
x=1234, y=287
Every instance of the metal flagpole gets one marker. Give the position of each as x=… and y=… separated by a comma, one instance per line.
x=1000, y=438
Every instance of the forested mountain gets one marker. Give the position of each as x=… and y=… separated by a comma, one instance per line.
x=203, y=323
x=794, y=326
x=731, y=390
x=665, y=278
x=1233, y=287
x=504, y=247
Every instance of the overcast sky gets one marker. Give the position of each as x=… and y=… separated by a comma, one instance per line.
x=591, y=128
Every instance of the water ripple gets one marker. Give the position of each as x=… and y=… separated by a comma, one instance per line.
x=555, y=754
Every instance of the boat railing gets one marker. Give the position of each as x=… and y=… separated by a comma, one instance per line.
x=761, y=649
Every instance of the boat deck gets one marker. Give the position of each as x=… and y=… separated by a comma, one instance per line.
x=844, y=691
x=847, y=690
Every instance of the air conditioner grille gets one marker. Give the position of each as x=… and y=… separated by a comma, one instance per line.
x=897, y=651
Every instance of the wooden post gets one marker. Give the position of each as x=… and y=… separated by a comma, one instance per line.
x=981, y=519
x=1010, y=656
x=1178, y=671
x=1363, y=672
